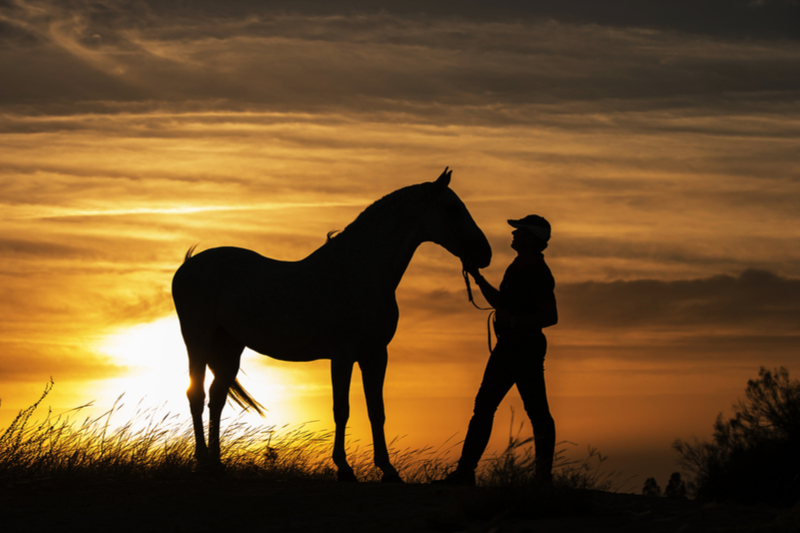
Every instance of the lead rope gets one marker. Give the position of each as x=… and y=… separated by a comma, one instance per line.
x=472, y=301
x=466, y=275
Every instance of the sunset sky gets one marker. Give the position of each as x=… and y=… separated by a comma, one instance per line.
x=661, y=140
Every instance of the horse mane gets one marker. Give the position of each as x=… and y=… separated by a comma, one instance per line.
x=375, y=213
x=190, y=252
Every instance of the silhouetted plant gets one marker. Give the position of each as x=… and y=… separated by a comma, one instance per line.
x=154, y=444
x=753, y=456
x=151, y=443
x=651, y=488
x=676, y=488
x=516, y=467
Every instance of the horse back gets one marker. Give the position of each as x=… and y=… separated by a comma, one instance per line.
x=295, y=311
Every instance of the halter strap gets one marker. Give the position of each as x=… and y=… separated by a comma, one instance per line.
x=488, y=318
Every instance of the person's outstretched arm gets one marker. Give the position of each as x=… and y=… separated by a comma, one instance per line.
x=491, y=294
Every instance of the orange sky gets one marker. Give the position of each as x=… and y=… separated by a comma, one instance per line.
x=664, y=152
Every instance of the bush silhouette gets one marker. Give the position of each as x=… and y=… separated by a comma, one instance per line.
x=651, y=488
x=676, y=488
x=753, y=456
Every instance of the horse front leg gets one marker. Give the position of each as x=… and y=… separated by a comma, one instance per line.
x=341, y=374
x=373, y=373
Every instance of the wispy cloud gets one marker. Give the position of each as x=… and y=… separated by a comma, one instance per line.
x=375, y=62
x=754, y=301
x=26, y=212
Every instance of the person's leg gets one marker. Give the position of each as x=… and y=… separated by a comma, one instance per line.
x=497, y=381
x=531, y=386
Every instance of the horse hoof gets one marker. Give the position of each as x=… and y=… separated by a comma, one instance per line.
x=209, y=468
x=346, y=476
x=392, y=478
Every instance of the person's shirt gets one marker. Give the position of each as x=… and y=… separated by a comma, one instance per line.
x=528, y=288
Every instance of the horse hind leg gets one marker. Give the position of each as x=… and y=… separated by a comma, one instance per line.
x=224, y=363
x=196, y=395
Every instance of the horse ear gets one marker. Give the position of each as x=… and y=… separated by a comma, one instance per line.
x=444, y=180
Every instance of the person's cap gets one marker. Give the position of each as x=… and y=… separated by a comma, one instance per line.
x=535, y=224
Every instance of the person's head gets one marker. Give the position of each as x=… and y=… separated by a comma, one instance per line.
x=531, y=233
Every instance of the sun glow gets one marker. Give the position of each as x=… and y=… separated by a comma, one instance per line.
x=155, y=357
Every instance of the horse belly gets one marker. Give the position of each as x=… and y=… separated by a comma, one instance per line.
x=308, y=338
x=296, y=350
x=281, y=336
x=294, y=317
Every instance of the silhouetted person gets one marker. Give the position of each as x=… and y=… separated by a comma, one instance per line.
x=524, y=304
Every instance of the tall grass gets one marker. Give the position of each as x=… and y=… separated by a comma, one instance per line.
x=516, y=467
x=153, y=444
x=150, y=444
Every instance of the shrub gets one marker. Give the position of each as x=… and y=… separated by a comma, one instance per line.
x=676, y=488
x=651, y=488
x=753, y=457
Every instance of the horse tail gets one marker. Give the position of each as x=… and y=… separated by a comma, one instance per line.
x=241, y=398
x=189, y=253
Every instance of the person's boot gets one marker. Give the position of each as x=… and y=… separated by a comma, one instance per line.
x=545, y=446
x=543, y=478
x=458, y=477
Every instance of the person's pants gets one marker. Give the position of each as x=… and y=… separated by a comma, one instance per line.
x=521, y=363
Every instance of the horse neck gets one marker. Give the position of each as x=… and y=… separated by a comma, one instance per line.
x=376, y=249
x=384, y=260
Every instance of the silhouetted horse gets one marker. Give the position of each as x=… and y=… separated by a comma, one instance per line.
x=338, y=303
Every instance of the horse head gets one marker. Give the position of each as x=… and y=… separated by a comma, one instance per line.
x=453, y=227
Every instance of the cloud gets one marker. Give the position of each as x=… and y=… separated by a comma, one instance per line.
x=775, y=19
x=733, y=19
x=39, y=249
x=627, y=200
x=30, y=362
x=669, y=258
x=755, y=302
x=440, y=66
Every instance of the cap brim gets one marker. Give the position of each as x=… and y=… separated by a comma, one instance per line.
x=538, y=231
